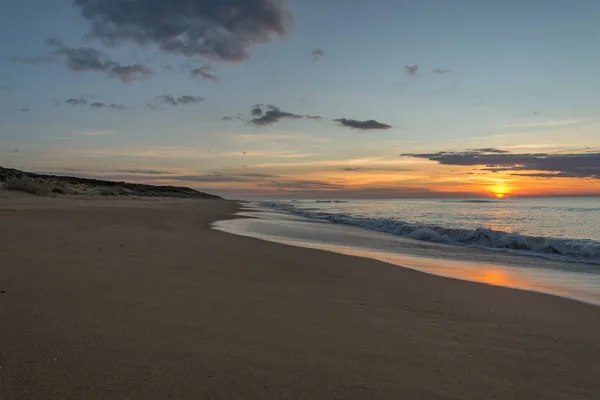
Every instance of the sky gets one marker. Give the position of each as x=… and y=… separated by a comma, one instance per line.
x=307, y=99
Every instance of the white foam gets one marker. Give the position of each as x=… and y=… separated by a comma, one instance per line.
x=565, y=249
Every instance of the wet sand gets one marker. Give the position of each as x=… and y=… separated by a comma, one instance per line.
x=140, y=299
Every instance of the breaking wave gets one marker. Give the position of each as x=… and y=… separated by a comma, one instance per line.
x=583, y=250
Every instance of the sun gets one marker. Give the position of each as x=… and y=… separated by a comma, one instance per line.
x=500, y=191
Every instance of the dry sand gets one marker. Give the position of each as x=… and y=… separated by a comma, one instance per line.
x=130, y=299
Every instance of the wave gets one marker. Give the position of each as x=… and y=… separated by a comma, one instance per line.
x=471, y=201
x=567, y=249
x=331, y=201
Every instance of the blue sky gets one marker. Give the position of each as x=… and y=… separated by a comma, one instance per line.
x=522, y=77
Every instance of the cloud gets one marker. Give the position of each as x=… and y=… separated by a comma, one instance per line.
x=4, y=87
x=440, y=71
x=411, y=70
x=238, y=117
x=570, y=165
x=97, y=132
x=542, y=124
x=224, y=30
x=175, y=101
x=317, y=54
x=99, y=104
x=256, y=110
x=204, y=72
x=218, y=178
x=364, y=125
x=270, y=116
x=144, y=171
x=76, y=101
x=490, y=150
x=313, y=117
x=299, y=184
x=127, y=73
x=25, y=110
x=84, y=59
x=81, y=101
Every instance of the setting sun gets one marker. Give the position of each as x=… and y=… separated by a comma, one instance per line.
x=500, y=191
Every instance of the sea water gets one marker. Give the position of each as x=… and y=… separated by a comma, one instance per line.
x=550, y=245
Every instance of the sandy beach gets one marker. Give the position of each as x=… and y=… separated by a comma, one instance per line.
x=118, y=298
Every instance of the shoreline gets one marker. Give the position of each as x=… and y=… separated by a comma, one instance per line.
x=143, y=299
x=517, y=271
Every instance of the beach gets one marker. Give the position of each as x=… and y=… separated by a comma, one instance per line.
x=115, y=298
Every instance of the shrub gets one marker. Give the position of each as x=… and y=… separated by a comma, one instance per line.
x=27, y=185
x=109, y=191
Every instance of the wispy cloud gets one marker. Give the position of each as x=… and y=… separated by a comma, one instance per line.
x=113, y=106
x=175, y=101
x=96, y=132
x=82, y=101
x=411, y=70
x=249, y=138
x=317, y=54
x=204, y=72
x=440, y=71
x=82, y=59
x=542, y=124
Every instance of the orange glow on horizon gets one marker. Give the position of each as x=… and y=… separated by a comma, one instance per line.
x=500, y=190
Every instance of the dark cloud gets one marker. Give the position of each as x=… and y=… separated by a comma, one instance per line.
x=411, y=70
x=84, y=59
x=127, y=73
x=313, y=117
x=76, y=101
x=256, y=110
x=175, y=101
x=270, y=116
x=225, y=30
x=440, y=71
x=25, y=109
x=204, y=72
x=364, y=125
x=99, y=104
x=546, y=165
x=317, y=54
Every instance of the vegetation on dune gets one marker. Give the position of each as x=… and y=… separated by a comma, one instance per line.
x=27, y=185
x=46, y=185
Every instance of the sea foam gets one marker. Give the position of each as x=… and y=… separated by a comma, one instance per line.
x=567, y=249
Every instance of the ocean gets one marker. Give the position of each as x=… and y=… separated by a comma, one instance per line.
x=550, y=245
